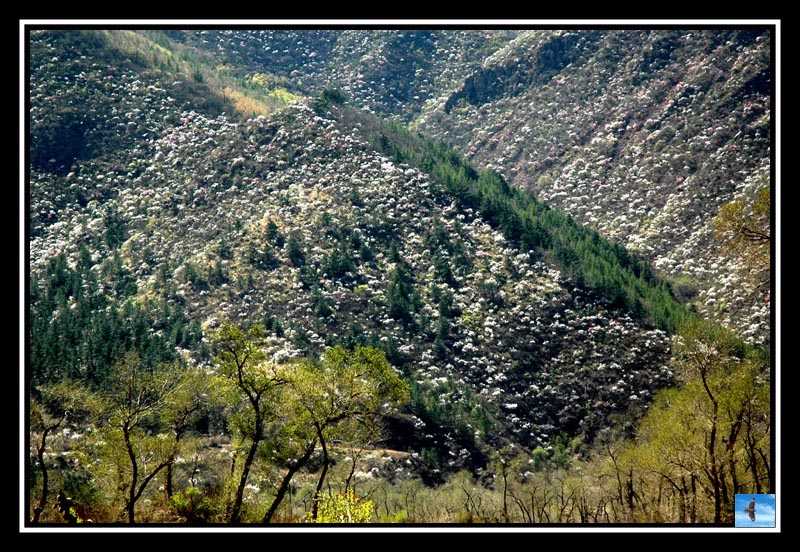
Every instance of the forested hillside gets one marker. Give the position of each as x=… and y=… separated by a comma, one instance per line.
x=247, y=307
x=640, y=134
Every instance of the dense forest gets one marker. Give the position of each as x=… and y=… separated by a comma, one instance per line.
x=253, y=301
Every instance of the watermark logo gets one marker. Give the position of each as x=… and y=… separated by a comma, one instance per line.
x=755, y=510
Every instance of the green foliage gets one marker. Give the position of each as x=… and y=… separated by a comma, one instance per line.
x=57, y=144
x=60, y=401
x=402, y=297
x=338, y=264
x=441, y=268
x=250, y=384
x=274, y=235
x=193, y=276
x=135, y=445
x=346, y=383
x=400, y=516
x=84, y=333
x=321, y=306
x=561, y=453
x=540, y=459
x=328, y=98
x=224, y=249
x=704, y=349
x=272, y=324
x=116, y=231
x=263, y=256
x=295, y=406
x=244, y=370
x=294, y=252
x=448, y=407
x=204, y=83
x=192, y=506
x=84, y=492
x=56, y=406
x=78, y=332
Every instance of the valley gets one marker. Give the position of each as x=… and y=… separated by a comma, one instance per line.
x=513, y=236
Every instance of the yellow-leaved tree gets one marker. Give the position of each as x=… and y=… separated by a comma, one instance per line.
x=744, y=228
x=342, y=507
x=705, y=441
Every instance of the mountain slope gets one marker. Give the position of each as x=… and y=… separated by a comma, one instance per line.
x=393, y=73
x=641, y=134
x=296, y=221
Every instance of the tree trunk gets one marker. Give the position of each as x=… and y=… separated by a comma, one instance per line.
x=131, y=503
x=617, y=472
x=248, y=462
x=751, y=458
x=725, y=501
x=287, y=479
x=351, y=474
x=323, y=473
x=168, y=483
x=733, y=437
x=765, y=461
x=714, y=472
x=629, y=494
x=505, y=493
x=750, y=441
x=37, y=511
x=231, y=475
x=683, y=492
x=526, y=516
